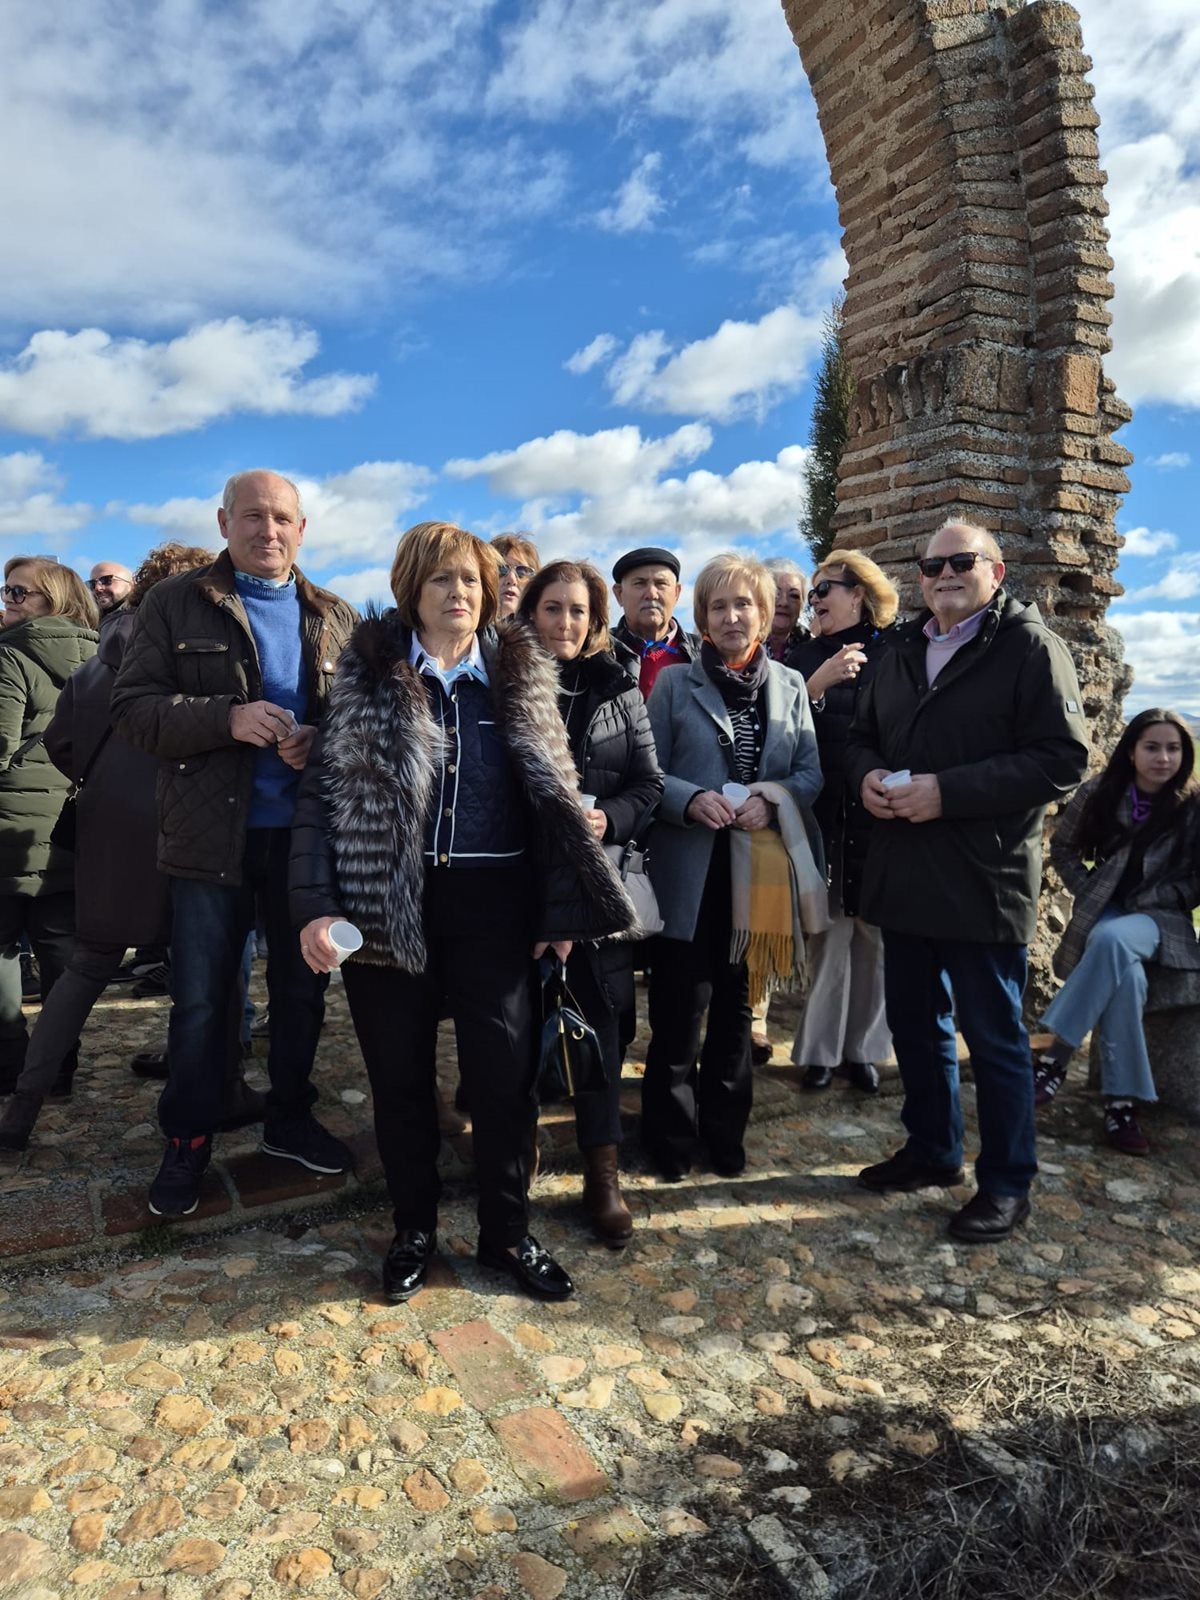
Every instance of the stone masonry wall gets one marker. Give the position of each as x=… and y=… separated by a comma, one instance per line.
x=961, y=139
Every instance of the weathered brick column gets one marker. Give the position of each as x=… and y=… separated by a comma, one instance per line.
x=962, y=145
x=961, y=139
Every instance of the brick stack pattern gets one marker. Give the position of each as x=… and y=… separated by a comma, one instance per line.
x=961, y=138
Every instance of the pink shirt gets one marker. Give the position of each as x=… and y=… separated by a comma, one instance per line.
x=942, y=646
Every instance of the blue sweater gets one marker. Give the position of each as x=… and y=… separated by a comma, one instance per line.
x=273, y=611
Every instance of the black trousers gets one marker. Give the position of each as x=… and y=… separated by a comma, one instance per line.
x=601, y=979
x=49, y=922
x=479, y=933
x=688, y=1090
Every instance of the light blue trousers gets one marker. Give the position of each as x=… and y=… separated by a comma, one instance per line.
x=1105, y=995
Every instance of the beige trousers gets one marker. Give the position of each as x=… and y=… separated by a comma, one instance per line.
x=844, y=1017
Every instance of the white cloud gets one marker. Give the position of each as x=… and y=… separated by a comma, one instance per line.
x=1163, y=648
x=744, y=367
x=1142, y=542
x=1180, y=582
x=637, y=202
x=601, y=493
x=1170, y=461
x=361, y=588
x=29, y=503
x=354, y=515
x=731, y=73
x=567, y=463
x=1145, y=79
x=106, y=388
x=591, y=355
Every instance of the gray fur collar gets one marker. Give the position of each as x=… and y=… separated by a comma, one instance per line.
x=382, y=750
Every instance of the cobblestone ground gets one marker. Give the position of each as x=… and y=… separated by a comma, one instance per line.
x=240, y=1415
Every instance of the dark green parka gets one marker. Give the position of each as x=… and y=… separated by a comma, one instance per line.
x=36, y=659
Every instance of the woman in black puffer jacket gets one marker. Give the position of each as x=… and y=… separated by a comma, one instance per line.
x=609, y=733
x=843, y=1026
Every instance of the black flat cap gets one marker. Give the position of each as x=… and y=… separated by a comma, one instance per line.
x=651, y=556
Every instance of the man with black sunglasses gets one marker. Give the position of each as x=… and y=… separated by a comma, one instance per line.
x=109, y=582
x=970, y=727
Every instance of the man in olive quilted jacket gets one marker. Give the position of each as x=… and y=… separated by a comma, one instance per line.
x=225, y=679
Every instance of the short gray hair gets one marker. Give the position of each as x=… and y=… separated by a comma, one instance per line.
x=232, y=485
x=785, y=567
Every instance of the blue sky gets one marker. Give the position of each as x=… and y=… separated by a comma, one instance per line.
x=517, y=263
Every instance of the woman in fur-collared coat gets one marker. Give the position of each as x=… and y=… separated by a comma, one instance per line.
x=440, y=816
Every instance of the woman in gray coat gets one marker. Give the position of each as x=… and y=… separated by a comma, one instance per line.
x=731, y=719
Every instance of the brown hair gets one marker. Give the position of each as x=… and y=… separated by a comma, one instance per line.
x=427, y=547
x=880, y=599
x=515, y=547
x=730, y=567
x=583, y=572
x=64, y=589
x=164, y=561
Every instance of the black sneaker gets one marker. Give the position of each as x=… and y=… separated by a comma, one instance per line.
x=153, y=984
x=905, y=1171
x=303, y=1139
x=176, y=1190
x=1048, y=1078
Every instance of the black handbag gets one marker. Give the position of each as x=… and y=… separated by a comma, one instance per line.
x=571, y=1061
x=63, y=833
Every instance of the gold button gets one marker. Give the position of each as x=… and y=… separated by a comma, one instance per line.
x=443, y=859
x=181, y=647
x=447, y=812
x=450, y=768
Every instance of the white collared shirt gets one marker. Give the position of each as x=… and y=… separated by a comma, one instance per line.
x=471, y=666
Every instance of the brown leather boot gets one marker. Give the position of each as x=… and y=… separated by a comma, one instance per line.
x=607, y=1212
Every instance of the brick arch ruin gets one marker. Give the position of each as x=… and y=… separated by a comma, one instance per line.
x=961, y=139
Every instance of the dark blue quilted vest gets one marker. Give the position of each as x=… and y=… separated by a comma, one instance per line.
x=478, y=815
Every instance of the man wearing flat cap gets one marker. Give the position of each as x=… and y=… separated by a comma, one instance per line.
x=647, y=638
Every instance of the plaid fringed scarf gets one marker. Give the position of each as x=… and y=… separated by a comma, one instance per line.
x=779, y=895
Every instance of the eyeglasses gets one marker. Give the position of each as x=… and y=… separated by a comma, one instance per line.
x=961, y=561
x=105, y=581
x=18, y=593
x=524, y=573
x=820, y=591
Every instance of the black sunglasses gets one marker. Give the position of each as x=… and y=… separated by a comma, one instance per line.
x=820, y=591
x=524, y=573
x=105, y=581
x=18, y=593
x=961, y=561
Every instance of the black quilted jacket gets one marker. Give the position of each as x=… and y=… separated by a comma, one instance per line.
x=844, y=821
x=192, y=658
x=615, y=756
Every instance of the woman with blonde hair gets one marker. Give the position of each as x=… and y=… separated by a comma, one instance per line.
x=440, y=814
x=519, y=560
x=50, y=623
x=853, y=603
x=730, y=856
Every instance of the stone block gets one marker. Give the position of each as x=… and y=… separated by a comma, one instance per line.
x=547, y=1452
x=45, y=1219
x=487, y=1367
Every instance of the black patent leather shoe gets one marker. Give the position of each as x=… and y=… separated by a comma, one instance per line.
x=407, y=1263
x=534, y=1269
x=905, y=1171
x=988, y=1218
x=863, y=1075
x=816, y=1078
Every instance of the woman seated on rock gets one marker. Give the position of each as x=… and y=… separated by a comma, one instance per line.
x=440, y=814
x=1128, y=849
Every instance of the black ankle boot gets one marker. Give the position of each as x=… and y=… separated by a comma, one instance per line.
x=19, y=1120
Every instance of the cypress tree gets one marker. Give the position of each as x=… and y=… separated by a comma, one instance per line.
x=832, y=394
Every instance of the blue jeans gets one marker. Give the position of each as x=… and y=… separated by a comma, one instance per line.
x=210, y=924
x=925, y=982
x=1106, y=993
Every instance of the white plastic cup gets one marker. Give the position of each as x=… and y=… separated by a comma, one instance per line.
x=588, y=802
x=736, y=793
x=345, y=939
x=896, y=780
